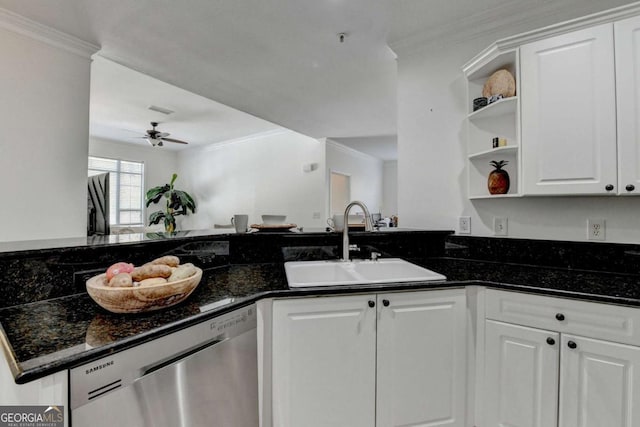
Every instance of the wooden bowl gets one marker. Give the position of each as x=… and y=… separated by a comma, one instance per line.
x=140, y=298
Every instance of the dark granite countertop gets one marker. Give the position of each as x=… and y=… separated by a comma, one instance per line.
x=48, y=336
x=598, y=286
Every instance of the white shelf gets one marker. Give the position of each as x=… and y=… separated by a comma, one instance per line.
x=494, y=152
x=499, y=108
x=495, y=196
x=498, y=119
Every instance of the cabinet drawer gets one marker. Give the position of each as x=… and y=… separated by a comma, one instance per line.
x=605, y=321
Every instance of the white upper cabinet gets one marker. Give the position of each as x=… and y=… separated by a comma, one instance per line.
x=568, y=113
x=574, y=126
x=627, y=33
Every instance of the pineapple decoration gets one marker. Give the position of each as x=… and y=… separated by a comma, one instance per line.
x=498, y=181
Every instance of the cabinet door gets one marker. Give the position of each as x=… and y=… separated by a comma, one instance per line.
x=599, y=383
x=324, y=362
x=627, y=34
x=421, y=359
x=521, y=376
x=568, y=113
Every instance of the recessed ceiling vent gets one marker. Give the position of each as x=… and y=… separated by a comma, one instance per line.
x=160, y=109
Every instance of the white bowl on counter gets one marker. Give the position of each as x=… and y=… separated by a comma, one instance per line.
x=273, y=219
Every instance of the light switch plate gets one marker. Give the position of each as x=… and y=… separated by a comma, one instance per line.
x=464, y=225
x=500, y=226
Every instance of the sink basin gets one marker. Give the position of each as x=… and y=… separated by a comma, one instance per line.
x=359, y=272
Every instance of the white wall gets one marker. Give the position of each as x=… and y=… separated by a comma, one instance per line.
x=366, y=173
x=432, y=188
x=257, y=175
x=390, y=188
x=44, y=125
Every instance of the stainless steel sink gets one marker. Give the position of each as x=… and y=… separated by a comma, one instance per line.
x=358, y=272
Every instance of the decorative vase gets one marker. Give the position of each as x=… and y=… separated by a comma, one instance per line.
x=498, y=181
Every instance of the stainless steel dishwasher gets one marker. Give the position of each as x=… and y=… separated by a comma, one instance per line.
x=204, y=375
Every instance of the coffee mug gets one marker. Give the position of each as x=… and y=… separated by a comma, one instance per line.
x=240, y=222
x=336, y=222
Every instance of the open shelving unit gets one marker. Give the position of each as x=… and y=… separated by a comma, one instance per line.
x=499, y=119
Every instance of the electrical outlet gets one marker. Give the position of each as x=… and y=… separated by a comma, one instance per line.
x=595, y=229
x=464, y=225
x=500, y=226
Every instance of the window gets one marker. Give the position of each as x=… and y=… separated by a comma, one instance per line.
x=126, y=184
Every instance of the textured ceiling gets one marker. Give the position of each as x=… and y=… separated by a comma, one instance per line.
x=281, y=60
x=120, y=101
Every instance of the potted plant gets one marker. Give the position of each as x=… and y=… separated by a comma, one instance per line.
x=178, y=203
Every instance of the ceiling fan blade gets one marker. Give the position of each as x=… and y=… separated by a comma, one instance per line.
x=174, y=140
x=162, y=134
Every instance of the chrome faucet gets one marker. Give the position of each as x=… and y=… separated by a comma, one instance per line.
x=368, y=226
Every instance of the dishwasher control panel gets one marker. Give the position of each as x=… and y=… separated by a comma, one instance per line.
x=102, y=376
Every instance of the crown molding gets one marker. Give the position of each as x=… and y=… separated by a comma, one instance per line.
x=19, y=24
x=610, y=15
x=509, y=20
x=351, y=151
x=214, y=146
x=464, y=28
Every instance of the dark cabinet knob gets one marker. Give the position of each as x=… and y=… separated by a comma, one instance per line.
x=560, y=317
x=372, y=304
x=609, y=187
x=630, y=187
x=551, y=341
x=572, y=344
x=385, y=302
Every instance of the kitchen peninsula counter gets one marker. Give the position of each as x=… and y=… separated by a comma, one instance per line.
x=48, y=335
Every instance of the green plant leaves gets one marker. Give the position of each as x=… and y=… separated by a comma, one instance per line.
x=155, y=194
x=178, y=203
x=182, y=203
x=156, y=217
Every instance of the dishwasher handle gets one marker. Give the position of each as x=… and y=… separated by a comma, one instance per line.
x=176, y=358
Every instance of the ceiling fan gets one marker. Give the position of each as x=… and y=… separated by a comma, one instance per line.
x=157, y=138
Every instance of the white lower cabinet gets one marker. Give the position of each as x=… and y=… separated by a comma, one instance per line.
x=521, y=376
x=324, y=362
x=52, y=390
x=391, y=359
x=541, y=378
x=599, y=383
x=421, y=359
